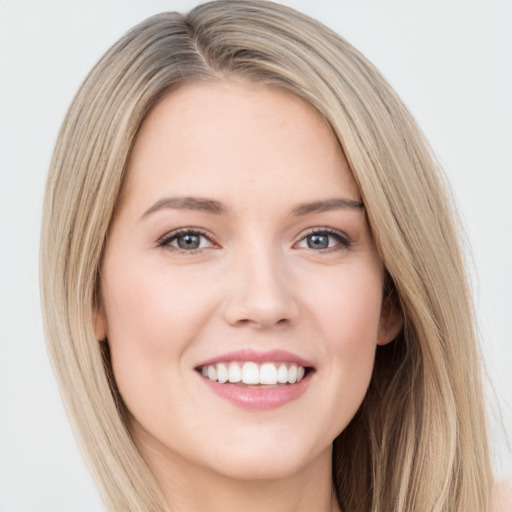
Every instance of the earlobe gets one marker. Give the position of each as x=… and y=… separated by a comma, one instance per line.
x=100, y=323
x=390, y=324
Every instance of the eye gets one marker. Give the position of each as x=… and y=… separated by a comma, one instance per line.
x=323, y=239
x=188, y=240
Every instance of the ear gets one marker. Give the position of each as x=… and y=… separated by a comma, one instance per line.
x=391, y=320
x=99, y=320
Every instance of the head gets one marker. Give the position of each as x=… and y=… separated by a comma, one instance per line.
x=414, y=423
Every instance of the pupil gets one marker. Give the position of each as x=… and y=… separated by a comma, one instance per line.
x=189, y=241
x=318, y=241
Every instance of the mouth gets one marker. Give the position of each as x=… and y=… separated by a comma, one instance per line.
x=269, y=374
x=257, y=380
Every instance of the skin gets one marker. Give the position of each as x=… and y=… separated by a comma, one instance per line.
x=502, y=498
x=254, y=283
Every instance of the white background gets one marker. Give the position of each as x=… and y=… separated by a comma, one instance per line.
x=451, y=61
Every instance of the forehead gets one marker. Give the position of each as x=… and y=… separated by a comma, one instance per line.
x=234, y=138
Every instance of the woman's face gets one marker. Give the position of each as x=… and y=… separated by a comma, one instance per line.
x=240, y=250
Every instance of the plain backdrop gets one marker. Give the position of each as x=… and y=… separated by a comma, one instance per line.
x=451, y=63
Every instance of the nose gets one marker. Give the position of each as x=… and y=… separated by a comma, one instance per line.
x=261, y=291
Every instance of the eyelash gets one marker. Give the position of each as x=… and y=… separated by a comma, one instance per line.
x=166, y=240
x=343, y=241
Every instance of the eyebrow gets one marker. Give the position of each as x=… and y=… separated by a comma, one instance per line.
x=326, y=205
x=188, y=203
x=217, y=208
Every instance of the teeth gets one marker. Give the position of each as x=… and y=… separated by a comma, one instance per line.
x=282, y=374
x=212, y=373
x=292, y=374
x=235, y=374
x=268, y=374
x=253, y=374
x=250, y=373
x=222, y=373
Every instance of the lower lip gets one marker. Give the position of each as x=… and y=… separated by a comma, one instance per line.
x=258, y=398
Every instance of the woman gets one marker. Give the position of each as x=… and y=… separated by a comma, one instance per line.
x=260, y=299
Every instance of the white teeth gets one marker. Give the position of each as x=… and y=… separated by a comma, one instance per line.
x=235, y=374
x=268, y=374
x=282, y=374
x=222, y=373
x=250, y=373
x=212, y=373
x=292, y=374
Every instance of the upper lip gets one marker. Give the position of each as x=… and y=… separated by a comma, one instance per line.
x=277, y=356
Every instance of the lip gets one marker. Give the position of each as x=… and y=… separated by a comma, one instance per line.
x=275, y=356
x=257, y=398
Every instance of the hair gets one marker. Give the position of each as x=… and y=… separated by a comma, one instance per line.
x=419, y=441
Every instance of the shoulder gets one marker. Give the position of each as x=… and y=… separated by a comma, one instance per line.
x=502, y=499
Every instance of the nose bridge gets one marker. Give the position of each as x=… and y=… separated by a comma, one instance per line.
x=261, y=288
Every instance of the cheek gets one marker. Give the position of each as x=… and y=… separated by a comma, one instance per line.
x=347, y=319
x=348, y=307
x=152, y=318
x=153, y=307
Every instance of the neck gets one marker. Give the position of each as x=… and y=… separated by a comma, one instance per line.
x=188, y=487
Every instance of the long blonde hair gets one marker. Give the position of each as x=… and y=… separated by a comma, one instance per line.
x=418, y=441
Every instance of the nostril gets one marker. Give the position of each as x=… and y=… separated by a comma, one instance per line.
x=247, y=322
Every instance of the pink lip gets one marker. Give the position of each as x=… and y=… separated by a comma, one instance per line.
x=258, y=398
x=277, y=356
x=255, y=397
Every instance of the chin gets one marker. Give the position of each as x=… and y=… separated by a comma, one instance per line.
x=267, y=459
x=260, y=466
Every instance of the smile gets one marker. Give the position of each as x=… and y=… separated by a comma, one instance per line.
x=251, y=373
x=253, y=380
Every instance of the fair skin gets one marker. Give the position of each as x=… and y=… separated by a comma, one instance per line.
x=502, y=498
x=274, y=258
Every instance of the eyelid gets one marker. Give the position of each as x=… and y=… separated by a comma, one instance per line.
x=164, y=241
x=344, y=241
